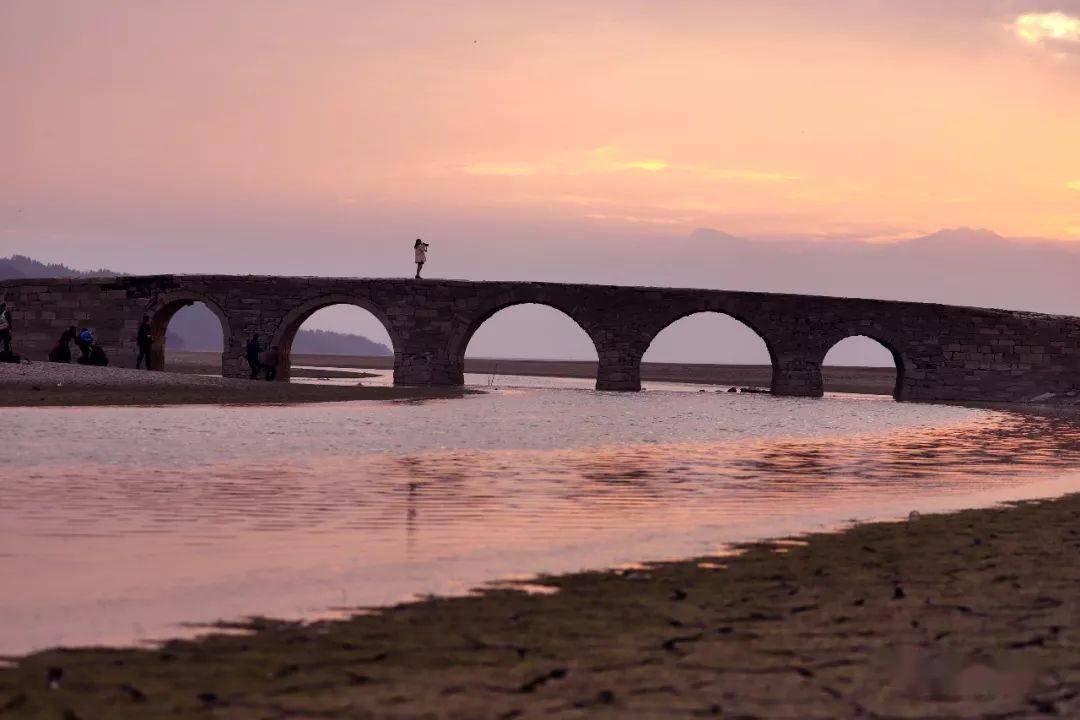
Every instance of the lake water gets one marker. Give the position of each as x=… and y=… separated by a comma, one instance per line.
x=123, y=524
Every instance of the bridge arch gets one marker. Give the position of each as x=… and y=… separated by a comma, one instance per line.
x=881, y=339
x=735, y=315
x=286, y=330
x=161, y=310
x=464, y=334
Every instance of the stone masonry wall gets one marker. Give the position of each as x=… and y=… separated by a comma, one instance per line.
x=943, y=352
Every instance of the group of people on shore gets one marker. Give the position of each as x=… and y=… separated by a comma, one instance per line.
x=90, y=353
x=264, y=363
x=261, y=363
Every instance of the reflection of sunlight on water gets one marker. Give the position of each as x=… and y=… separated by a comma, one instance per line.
x=385, y=378
x=122, y=522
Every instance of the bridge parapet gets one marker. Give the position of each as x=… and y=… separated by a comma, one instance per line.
x=941, y=352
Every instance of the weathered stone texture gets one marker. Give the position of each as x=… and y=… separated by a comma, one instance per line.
x=942, y=352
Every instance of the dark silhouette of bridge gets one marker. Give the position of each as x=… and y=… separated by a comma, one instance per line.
x=941, y=352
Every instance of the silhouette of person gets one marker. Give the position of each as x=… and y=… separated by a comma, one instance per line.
x=85, y=342
x=145, y=342
x=270, y=362
x=61, y=351
x=5, y=327
x=420, y=251
x=252, y=352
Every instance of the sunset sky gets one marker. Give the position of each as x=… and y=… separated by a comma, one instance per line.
x=202, y=122
x=524, y=138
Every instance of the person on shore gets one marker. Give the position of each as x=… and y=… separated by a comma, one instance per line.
x=5, y=328
x=253, y=355
x=144, y=339
x=97, y=356
x=270, y=362
x=420, y=251
x=84, y=341
x=92, y=353
x=61, y=351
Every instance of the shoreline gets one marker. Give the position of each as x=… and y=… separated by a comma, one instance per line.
x=967, y=613
x=42, y=384
x=190, y=380
x=865, y=380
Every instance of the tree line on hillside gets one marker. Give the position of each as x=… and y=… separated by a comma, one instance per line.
x=18, y=267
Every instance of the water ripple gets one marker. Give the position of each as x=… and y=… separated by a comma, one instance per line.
x=120, y=523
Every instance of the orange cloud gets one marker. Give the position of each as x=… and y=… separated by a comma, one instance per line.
x=747, y=175
x=608, y=160
x=507, y=170
x=1036, y=27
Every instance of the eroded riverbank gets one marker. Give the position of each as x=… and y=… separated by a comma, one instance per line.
x=972, y=613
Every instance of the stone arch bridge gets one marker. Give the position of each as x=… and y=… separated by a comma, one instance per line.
x=941, y=352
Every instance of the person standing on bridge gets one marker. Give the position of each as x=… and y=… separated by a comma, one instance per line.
x=420, y=250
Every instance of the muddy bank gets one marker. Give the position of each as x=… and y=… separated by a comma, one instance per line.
x=51, y=384
x=962, y=615
x=877, y=381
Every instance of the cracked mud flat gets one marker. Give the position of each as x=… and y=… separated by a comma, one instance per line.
x=973, y=614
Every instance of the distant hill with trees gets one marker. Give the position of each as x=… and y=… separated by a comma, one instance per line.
x=328, y=342
x=196, y=327
x=17, y=267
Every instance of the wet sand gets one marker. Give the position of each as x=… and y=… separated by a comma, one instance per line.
x=51, y=384
x=872, y=380
x=973, y=614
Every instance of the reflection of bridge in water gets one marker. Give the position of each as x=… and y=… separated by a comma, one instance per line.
x=941, y=352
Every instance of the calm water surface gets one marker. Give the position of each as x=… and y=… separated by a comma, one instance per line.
x=120, y=524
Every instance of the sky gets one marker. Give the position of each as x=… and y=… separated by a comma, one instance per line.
x=522, y=139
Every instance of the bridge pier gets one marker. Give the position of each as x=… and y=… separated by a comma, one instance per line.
x=234, y=362
x=427, y=368
x=796, y=377
x=618, y=371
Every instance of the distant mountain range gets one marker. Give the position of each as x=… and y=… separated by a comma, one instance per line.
x=958, y=266
x=195, y=327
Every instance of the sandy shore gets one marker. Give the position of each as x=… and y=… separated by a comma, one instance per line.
x=52, y=384
x=872, y=380
x=974, y=614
